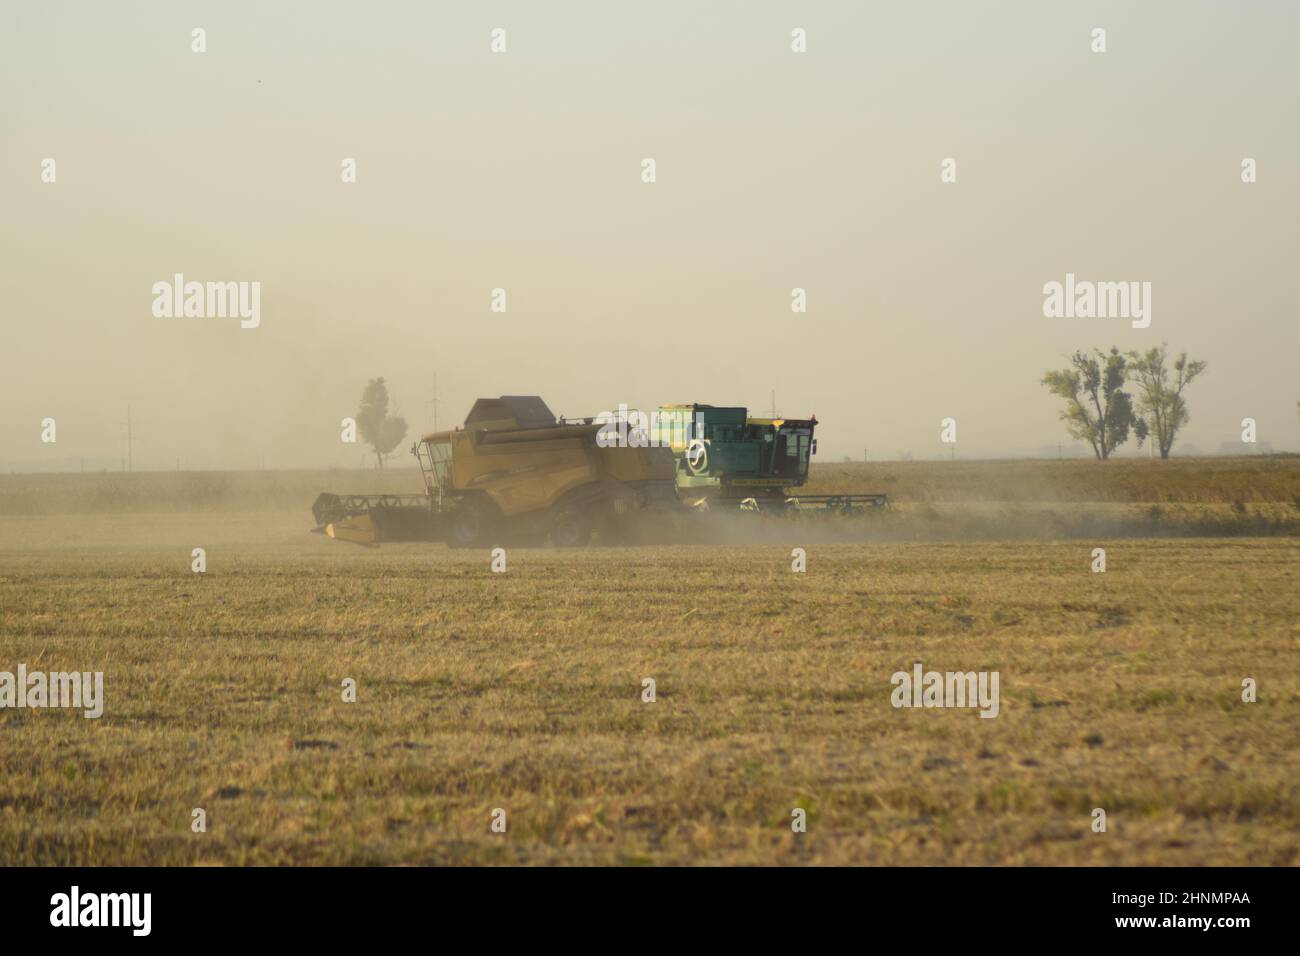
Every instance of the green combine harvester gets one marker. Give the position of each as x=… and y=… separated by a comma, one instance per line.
x=727, y=459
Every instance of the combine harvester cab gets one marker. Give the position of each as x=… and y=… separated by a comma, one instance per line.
x=724, y=458
x=513, y=472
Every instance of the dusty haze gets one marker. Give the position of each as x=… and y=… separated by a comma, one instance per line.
x=522, y=171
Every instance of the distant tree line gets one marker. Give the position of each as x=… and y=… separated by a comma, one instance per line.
x=1099, y=411
x=381, y=431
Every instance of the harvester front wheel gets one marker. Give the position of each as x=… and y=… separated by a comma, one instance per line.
x=570, y=529
x=466, y=526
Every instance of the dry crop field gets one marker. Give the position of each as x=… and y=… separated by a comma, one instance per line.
x=523, y=691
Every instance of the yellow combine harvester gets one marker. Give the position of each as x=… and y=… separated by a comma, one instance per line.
x=512, y=472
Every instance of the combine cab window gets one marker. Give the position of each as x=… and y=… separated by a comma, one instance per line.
x=436, y=465
x=440, y=452
x=794, y=445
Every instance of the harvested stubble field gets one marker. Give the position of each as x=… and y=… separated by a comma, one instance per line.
x=522, y=691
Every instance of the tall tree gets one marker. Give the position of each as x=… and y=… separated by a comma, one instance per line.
x=1160, y=398
x=378, y=429
x=1097, y=409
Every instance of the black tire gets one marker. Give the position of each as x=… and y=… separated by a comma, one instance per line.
x=466, y=526
x=570, y=528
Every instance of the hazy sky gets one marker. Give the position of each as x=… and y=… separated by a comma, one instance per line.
x=522, y=170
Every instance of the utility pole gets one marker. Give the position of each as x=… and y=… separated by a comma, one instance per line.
x=434, y=401
x=130, y=462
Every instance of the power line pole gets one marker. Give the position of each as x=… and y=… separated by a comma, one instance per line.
x=434, y=401
x=130, y=462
